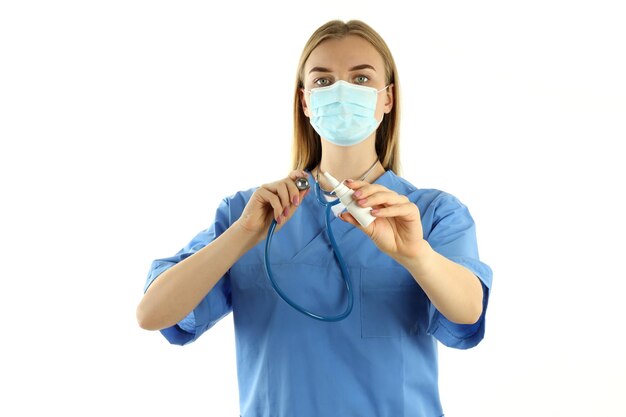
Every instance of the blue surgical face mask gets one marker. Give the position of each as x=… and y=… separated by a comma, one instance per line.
x=344, y=113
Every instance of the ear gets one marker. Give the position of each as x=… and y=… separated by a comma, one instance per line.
x=389, y=99
x=305, y=107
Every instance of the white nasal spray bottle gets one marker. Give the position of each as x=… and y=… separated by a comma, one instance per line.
x=361, y=214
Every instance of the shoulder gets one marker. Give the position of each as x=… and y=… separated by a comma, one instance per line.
x=240, y=198
x=423, y=197
x=231, y=206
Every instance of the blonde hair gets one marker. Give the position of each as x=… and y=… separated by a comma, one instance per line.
x=307, y=148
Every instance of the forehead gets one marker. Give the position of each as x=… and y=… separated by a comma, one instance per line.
x=349, y=51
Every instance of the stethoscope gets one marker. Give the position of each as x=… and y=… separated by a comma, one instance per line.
x=303, y=184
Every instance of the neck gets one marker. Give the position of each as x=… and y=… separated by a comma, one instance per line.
x=349, y=162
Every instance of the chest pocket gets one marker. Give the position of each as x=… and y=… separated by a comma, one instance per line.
x=392, y=303
x=317, y=288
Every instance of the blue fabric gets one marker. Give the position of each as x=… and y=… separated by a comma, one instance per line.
x=381, y=360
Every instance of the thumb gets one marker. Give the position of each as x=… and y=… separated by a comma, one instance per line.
x=349, y=218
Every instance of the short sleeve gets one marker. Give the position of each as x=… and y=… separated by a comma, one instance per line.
x=216, y=304
x=453, y=235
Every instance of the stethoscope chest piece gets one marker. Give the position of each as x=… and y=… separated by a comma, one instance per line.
x=302, y=184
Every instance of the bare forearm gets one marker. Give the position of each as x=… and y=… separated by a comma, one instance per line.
x=178, y=290
x=453, y=289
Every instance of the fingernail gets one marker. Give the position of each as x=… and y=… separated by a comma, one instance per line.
x=286, y=212
x=358, y=193
x=295, y=200
x=361, y=202
x=349, y=181
x=279, y=219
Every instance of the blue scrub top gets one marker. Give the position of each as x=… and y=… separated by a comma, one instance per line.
x=381, y=360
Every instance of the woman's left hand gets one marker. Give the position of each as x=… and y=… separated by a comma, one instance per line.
x=397, y=230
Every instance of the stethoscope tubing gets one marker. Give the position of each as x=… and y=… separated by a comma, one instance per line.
x=342, y=265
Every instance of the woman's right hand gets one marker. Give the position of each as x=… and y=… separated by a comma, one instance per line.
x=274, y=201
x=190, y=280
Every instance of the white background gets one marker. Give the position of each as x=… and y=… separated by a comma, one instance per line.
x=124, y=123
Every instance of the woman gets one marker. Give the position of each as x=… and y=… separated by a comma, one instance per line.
x=415, y=273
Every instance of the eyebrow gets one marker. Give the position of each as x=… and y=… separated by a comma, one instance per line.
x=355, y=68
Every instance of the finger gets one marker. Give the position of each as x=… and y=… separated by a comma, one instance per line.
x=294, y=175
x=288, y=212
x=286, y=189
x=400, y=210
x=355, y=183
x=349, y=218
x=294, y=193
x=382, y=198
x=363, y=189
x=297, y=197
x=302, y=195
x=282, y=190
x=274, y=202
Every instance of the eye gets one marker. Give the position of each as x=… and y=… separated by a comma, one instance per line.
x=322, y=82
x=361, y=79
